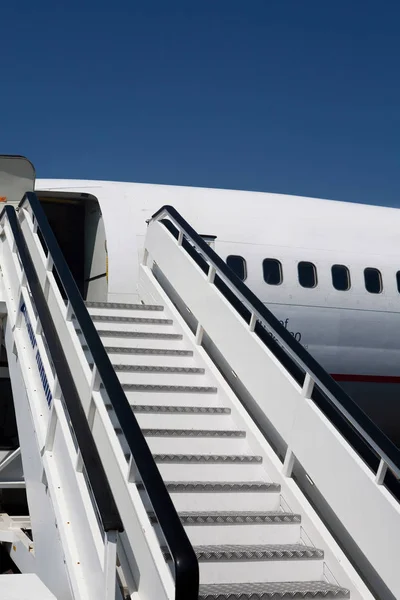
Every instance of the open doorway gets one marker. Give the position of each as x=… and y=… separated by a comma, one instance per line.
x=77, y=223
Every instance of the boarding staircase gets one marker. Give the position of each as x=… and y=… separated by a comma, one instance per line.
x=184, y=446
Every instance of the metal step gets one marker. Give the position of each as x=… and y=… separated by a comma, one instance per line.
x=232, y=495
x=272, y=591
x=238, y=527
x=168, y=416
x=148, y=351
x=209, y=466
x=173, y=379
x=132, y=339
x=207, y=458
x=177, y=419
x=194, y=441
x=243, y=552
x=235, y=563
x=155, y=356
x=171, y=389
x=235, y=518
x=214, y=487
x=135, y=320
x=195, y=410
x=136, y=335
x=141, y=325
x=124, y=306
x=119, y=368
x=213, y=433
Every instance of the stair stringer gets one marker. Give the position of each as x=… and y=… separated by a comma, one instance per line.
x=144, y=568
x=337, y=568
x=49, y=558
x=66, y=539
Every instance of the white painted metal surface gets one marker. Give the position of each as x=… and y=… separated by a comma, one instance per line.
x=373, y=515
x=351, y=333
x=227, y=482
x=80, y=544
x=342, y=329
x=23, y=587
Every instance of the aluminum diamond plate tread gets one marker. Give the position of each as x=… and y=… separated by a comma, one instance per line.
x=177, y=389
x=235, y=518
x=138, y=334
x=255, y=552
x=123, y=306
x=198, y=410
x=271, y=591
x=158, y=369
x=212, y=433
x=140, y=320
x=150, y=351
x=207, y=458
x=221, y=486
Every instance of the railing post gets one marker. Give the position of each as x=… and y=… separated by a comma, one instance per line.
x=381, y=472
x=51, y=428
x=145, y=257
x=18, y=319
x=199, y=335
x=95, y=382
x=69, y=312
x=308, y=386
x=110, y=564
x=49, y=268
x=38, y=327
x=288, y=463
x=211, y=274
x=253, y=321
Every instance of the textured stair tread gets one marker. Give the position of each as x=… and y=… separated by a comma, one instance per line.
x=156, y=369
x=137, y=334
x=124, y=306
x=120, y=368
x=255, y=552
x=271, y=591
x=139, y=320
x=200, y=410
x=236, y=518
x=207, y=458
x=175, y=410
x=213, y=433
x=176, y=389
x=150, y=351
x=221, y=486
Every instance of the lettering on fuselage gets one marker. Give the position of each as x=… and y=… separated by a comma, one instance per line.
x=296, y=334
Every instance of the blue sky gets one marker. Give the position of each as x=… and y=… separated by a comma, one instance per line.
x=290, y=96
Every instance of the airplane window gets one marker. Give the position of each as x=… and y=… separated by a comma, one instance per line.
x=340, y=277
x=307, y=274
x=398, y=280
x=272, y=270
x=373, y=281
x=238, y=266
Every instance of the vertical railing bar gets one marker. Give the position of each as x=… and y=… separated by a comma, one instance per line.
x=110, y=564
x=381, y=472
x=308, y=386
x=253, y=321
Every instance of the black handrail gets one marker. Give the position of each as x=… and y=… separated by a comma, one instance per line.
x=179, y=546
x=334, y=394
x=106, y=506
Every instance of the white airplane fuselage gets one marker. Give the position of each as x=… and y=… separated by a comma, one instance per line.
x=354, y=333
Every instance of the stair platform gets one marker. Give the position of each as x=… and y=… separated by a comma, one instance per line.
x=23, y=587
